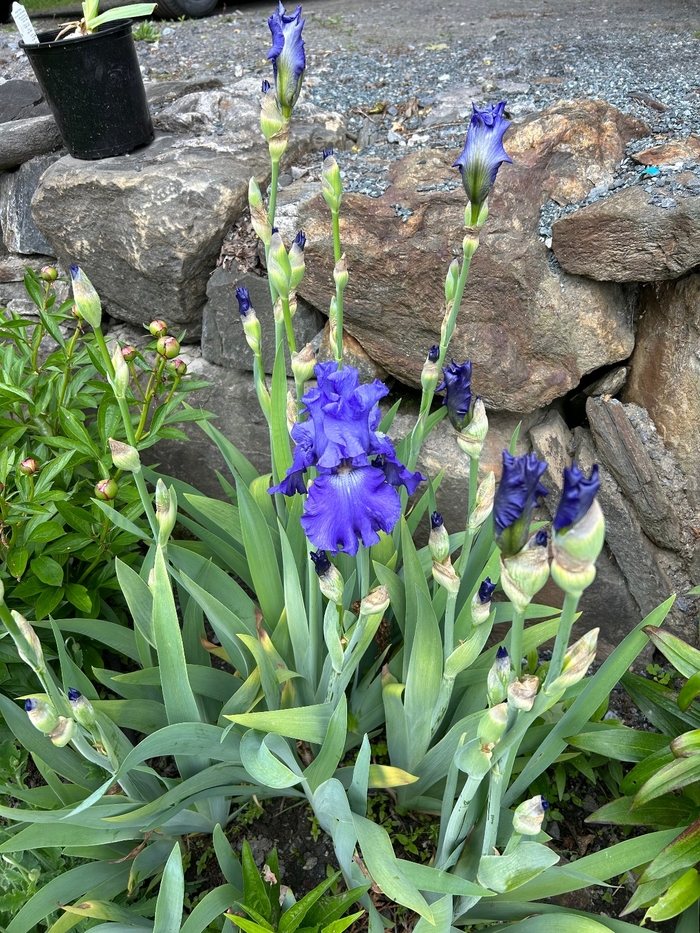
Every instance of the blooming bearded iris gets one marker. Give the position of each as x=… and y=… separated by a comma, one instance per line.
x=577, y=497
x=483, y=152
x=515, y=500
x=353, y=497
x=287, y=56
x=457, y=382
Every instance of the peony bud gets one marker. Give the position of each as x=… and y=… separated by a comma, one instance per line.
x=29, y=466
x=81, y=707
x=168, y=347
x=129, y=353
x=158, y=328
x=87, y=301
x=178, y=366
x=106, y=490
x=528, y=817
x=41, y=712
x=49, y=274
x=124, y=457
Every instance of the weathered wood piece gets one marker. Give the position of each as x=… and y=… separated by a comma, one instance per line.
x=21, y=140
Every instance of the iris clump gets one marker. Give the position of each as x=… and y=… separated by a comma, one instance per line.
x=457, y=383
x=287, y=56
x=577, y=496
x=354, y=495
x=516, y=497
x=483, y=152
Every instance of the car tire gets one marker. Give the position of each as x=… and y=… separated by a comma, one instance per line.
x=170, y=9
x=174, y=9
x=5, y=8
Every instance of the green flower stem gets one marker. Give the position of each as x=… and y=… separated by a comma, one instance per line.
x=153, y=383
x=315, y=616
x=561, y=642
x=272, y=205
x=516, y=641
x=448, y=797
x=456, y=820
x=173, y=388
x=38, y=333
x=67, y=371
x=468, y=533
x=288, y=325
x=338, y=292
x=363, y=570
x=493, y=808
x=449, y=630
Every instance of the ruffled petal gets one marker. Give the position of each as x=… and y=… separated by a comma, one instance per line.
x=483, y=152
x=304, y=457
x=397, y=474
x=349, y=507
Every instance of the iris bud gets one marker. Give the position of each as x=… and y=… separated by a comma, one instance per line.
x=106, y=490
x=431, y=373
x=340, y=273
x=124, y=457
x=121, y=373
x=87, y=301
x=492, y=725
x=522, y=693
x=49, y=274
x=41, y=712
x=292, y=410
x=375, y=602
x=303, y=364
x=29, y=466
x=168, y=347
x=576, y=549
x=258, y=214
x=481, y=602
x=81, y=707
x=166, y=511
x=296, y=259
x=484, y=502
x=474, y=759
x=63, y=732
x=451, y=282
x=251, y=324
x=577, y=660
x=498, y=678
x=331, y=182
x=528, y=817
x=439, y=540
x=31, y=651
x=444, y=574
x=330, y=579
x=524, y=574
x=279, y=267
x=158, y=328
x=272, y=122
x=471, y=438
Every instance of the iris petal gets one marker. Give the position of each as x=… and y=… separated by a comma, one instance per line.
x=349, y=507
x=483, y=152
x=577, y=496
x=287, y=56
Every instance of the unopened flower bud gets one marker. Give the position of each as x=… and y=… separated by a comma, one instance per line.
x=158, y=328
x=87, y=301
x=444, y=574
x=471, y=438
x=522, y=693
x=30, y=650
x=303, y=364
x=577, y=660
x=29, y=467
x=41, y=712
x=166, y=511
x=498, y=678
x=249, y=319
x=81, y=708
x=279, y=269
x=524, y=574
x=178, y=366
x=474, y=759
x=272, y=122
x=106, y=490
x=528, y=817
x=375, y=602
x=492, y=725
x=296, y=259
x=481, y=602
x=484, y=501
x=451, y=282
x=439, y=540
x=49, y=274
x=340, y=273
x=63, y=732
x=292, y=411
x=129, y=353
x=121, y=373
x=430, y=374
x=329, y=577
x=124, y=457
x=576, y=549
x=168, y=347
x=258, y=214
x=331, y=182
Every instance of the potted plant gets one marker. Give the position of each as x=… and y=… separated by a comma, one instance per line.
x=89, y=73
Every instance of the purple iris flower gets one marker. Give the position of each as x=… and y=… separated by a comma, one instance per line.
x=320, y=561
x=483, y=152
x=577, y=497
x=434, y=353
x=436, y=520
x=486, y=590
x=353, y=496
x=541, y=538
x=457, y=382
x=515, y=500
x=287, y=56
x=244, y=304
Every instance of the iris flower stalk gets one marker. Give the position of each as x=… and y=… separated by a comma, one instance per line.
x=332, y=189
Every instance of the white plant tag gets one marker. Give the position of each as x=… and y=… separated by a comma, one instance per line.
x=24, y=24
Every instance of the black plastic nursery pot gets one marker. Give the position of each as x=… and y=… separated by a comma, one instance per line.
x=94, y=88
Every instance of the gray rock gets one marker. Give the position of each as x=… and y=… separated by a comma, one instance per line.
x=627, y=238
x=20, y=140
x=610, y=383
x=147, y=228
x=453, y=105
x=164, y=92
x=223, y=340
x=552, y=442
x=20, y=100
x=353, y=355
x=19, y=232
x=625, y=456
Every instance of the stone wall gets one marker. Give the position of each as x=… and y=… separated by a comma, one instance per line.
x=588, y=338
